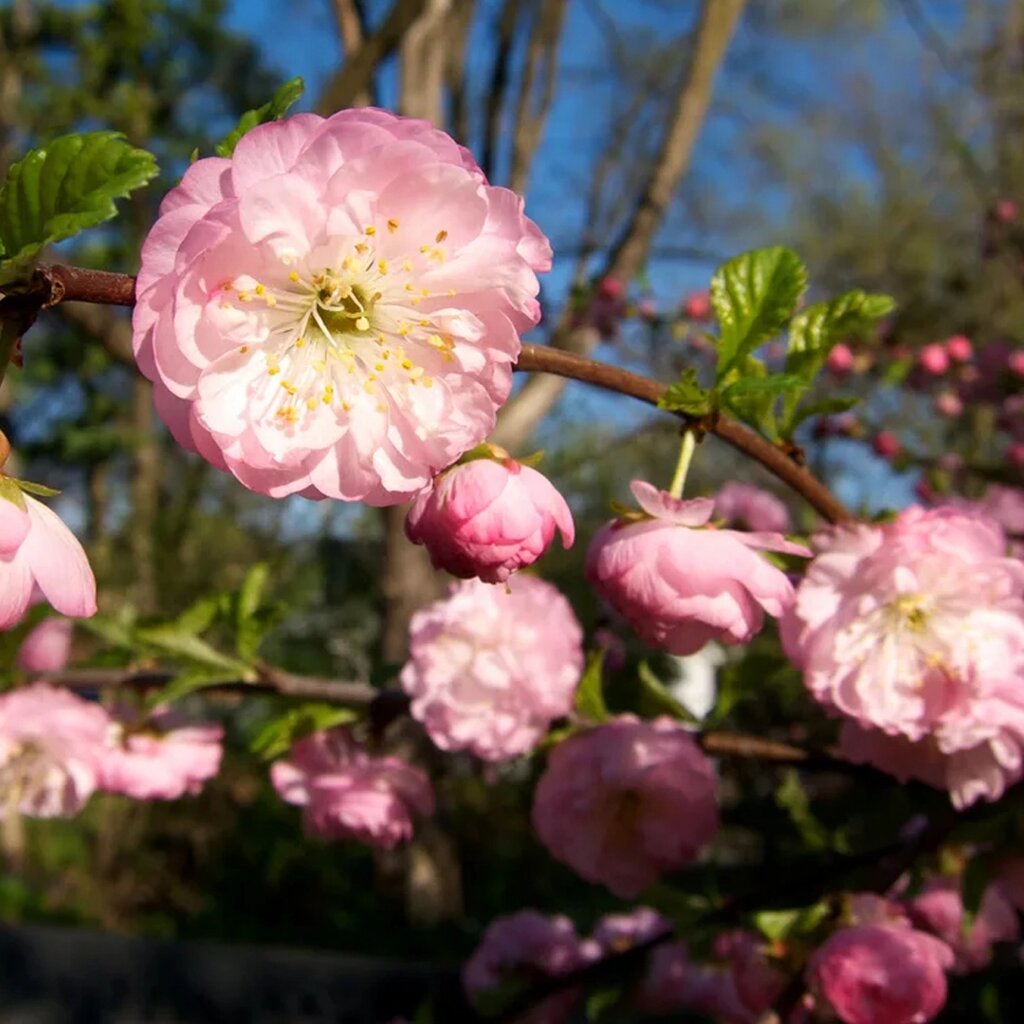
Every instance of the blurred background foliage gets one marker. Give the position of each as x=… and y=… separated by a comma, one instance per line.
x=875, y=137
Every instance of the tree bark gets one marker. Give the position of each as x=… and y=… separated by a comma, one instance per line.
x=351, y=30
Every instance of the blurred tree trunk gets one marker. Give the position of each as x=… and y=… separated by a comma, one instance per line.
x=145, y=497
x=352, y=30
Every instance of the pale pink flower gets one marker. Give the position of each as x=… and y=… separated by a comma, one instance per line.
x=742, y=985
x=916, y=628
x=51, y=749
x=680, y=586
x=949, y=404
x=1003, y=504
x=615, y=933
x=626, y=801
x=752, y=508
x=881, y=974
x=840, y=358
x=886, y=444
x=47, y=647
x=1016, y=362
x=959, y=348
x=697, y=306
x=163, y=758
x=934, y=359
x=345, y=793
x=1007, y=211
x=491, y=667
x=39, y=555
x=488, y=517
x=336, y=309
x=524, y=949
x=939, y=909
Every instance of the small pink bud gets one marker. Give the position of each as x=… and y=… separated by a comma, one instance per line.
x=959, y=348
x=47, y=647
x=647, y=309
x=1016, y=454
x=886, y=444
x=697, y=306
x=840, y=359
x=933, y=359
x=1007, y=211
x=488, y=518
x=610, y=288
x=1016, y=363
x=948, y=403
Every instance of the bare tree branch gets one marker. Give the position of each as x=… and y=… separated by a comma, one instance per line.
x=500, y=74
x=356, y=74
x=351, y=19
x=532, y=110
x=455, y=70
x=423, y=62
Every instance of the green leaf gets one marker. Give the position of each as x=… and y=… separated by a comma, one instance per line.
x=816, y=329
x=115, y=631
x=751, y=399
x=180, y=643
x=63, y=188
x=277, y=736
x=589, y=701
x=199, y=616
x=791, y=797
x=826, y=407
x=655, y=698
x=774, y=384
x=249, y=628
x=686, y=396
x=789, y=924
x=39, y=490
x=754, y=295
x=188, y=683
x=276, y=107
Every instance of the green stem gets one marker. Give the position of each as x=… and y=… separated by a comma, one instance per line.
x=686, y=450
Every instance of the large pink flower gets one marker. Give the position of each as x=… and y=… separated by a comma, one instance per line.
x=488, y=518
x=627, y=801
x=680, y=586
x=491, y=667
x=162, y=759
x=881, y=974
x=336, y=309
x=38, y=551
x=916, y=628
x=347, y=794
x=51, y=749
x=524, y=949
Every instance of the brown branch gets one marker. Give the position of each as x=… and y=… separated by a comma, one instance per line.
x=55, y=283
x=495, y=100
x=455, y=70
x=356, y=74
x=350, y=16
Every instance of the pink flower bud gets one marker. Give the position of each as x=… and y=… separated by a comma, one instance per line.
x=680, y=584
x=840, y=358
x=881, y=974
x=697, y=306
x=47, y=647
x=610, y=288
x=1015, y=454
x=949, y=403
x=488, y=518
x=959, y=348
x=647, y=309
x=1007, y=211
x=887, y=444
x=1015, y=362
x=626, y=801
x=933, y=359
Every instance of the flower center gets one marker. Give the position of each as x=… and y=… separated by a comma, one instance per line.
x=336, y=333
x=909, y=611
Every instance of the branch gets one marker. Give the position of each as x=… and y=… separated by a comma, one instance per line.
x=55, y=283
x=499, y=84
x=356, y=74
x=351, y=19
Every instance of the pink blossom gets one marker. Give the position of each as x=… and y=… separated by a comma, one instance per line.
x=1007, y=211
x=1003, y=504
x=524, y=949
x=939, y=909
x=743, y=985
x=615, y=933
x=336, y=309
x=948, y=403
x=916, y=628
x=491, y=667
x=680, y=586
x=672, y=982
x=959, y=348
x=488, y=518
x=1016, y=362
x=840, y=358
x=160, y=759
x=886, y=444
x=697, y=306
x=47, y=647
x=752, y=508
x=626, y=801
x=345, y=793
x=51, y=749
x=934, y=359
x=1015, y=454
x=610, y=288
x=40, y=555
x=881, y=974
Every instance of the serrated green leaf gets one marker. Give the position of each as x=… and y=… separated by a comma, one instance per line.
x=816, y=329
x=589, y=701
x=276, y=107
x=772, y=385
x=277, y=736
x=655, y=698
x=826, y=407
x=188, y=683
x=753, y=296
x=40, y=490
x=752, y=402
x=687, y=396
x=249, y=628
x=199, y=616
x=63, y=188
x=187, y=646
x=116, y=631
